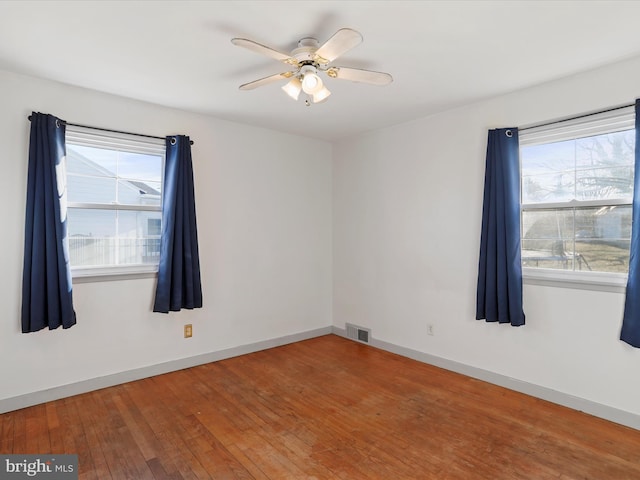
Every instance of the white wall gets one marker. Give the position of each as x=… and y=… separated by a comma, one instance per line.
x=264, y=225
x=407, y=208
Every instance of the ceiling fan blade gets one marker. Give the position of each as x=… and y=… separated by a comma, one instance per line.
x=342, y=41
x=266, y=80
x=362, y=76
x=268, y=51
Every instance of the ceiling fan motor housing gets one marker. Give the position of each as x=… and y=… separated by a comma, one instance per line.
x=306, y=48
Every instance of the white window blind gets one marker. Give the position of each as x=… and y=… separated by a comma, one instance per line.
x=615, y=120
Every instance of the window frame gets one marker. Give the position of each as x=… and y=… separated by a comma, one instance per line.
x=600, y=123
x=119, y=141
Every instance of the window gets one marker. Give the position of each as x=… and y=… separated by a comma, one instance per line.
x=114, y=189
x=577, y=191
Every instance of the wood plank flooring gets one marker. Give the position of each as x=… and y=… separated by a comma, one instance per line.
x=326, y=408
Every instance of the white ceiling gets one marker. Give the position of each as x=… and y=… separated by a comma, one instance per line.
x=441, y=54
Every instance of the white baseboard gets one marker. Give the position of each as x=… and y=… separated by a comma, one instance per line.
x=576, y=403
x=63, y=391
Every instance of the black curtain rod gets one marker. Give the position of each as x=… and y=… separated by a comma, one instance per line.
x=110, y=130
x=577, y=117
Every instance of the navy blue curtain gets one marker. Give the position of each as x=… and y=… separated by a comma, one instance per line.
x=631, y=320
x=499, y=294
x=46, y=279
x=179, y=270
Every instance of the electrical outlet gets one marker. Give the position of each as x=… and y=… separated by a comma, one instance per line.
x=430, y=330
x=188, y=331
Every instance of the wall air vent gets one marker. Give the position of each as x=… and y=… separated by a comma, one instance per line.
x=358, y=334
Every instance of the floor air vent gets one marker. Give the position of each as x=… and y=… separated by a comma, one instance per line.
x=358, y=333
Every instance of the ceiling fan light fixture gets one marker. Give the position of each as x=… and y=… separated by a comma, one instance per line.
x=311, y=82
x=293, y=88
x=322, y=95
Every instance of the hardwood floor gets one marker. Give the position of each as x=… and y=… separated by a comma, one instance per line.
x=325, y=408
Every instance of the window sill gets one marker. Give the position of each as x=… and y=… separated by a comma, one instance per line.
x=110, y=274
x=599, y=281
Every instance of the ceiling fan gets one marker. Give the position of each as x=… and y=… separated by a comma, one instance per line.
x=310, y=59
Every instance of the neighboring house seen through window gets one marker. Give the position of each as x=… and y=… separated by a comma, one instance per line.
x=577, y=190
x=114, y=185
